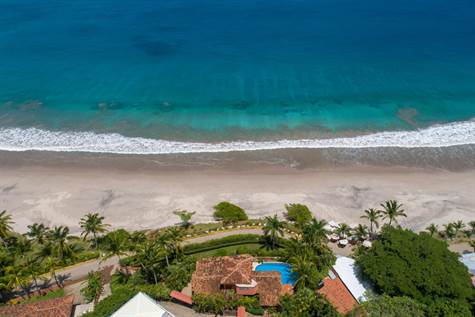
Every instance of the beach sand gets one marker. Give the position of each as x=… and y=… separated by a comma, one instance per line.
x=141, y=192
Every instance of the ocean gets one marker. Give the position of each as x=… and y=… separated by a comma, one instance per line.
x=149, y=77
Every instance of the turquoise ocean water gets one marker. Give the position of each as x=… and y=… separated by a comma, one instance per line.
x=133, y=76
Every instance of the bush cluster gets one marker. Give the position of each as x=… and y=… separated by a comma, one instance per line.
x=229, y=213
x=221, y=243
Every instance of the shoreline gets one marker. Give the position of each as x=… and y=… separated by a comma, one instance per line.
x=141, y=192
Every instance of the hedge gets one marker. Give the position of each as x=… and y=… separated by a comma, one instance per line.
x=122, y=294
x=239, y=239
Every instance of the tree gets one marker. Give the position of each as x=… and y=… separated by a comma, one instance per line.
x=471, y=224
x=116, y=244
x=273, y=228
x=170, y=241
x=449, y=231
x=314, y=232
x=306, y=272
x=361, y=232
x=38, y=232
x=185, y=217
x=305, y=303
x=448, y=307
x=298, y=213
x=343, y=230
x=458, y=226
x=94, y=288
x=229, y=213
x=392, y=210
x=5, y=226
x=472, y=244
x=47, y=257
x=386, y=306
x=433, y=229
x=59, y=236
x=403, y=263
x=92, y=223
x=373, y=216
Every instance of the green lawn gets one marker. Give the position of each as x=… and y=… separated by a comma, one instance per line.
x=53, y=294
x=231, y=250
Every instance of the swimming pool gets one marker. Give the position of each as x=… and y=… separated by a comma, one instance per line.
x=286, y=275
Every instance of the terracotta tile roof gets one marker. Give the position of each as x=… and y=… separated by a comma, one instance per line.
x=181, y=297
x=211, y=273
x=269, y=287
x=241, y=312
x=57, y=307
x=338, y=295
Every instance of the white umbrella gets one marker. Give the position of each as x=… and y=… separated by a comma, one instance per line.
x=367, y=244
x=343, y=242
x=333, y=224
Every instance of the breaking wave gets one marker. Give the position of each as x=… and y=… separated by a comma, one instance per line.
x=16, y=139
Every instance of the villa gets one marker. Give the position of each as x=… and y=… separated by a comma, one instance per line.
x=238, y=273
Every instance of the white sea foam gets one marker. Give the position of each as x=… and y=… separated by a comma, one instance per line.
x=16, y=139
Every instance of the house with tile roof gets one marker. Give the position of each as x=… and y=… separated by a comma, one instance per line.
x=218, y=274
x=344, y=287
x=56, y=307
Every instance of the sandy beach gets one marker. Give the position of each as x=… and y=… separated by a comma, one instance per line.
x=142, y=192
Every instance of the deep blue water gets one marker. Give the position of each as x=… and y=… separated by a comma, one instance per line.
x=285, y=270
x=248, y=69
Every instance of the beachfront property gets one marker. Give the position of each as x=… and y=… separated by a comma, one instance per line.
x=242, y=274
x=344, y=288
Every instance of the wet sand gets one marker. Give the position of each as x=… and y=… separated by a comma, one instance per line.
x=140, y=192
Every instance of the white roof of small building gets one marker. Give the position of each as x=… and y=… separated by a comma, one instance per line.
x=347, y=271
x=141, y=305
x=469, y=260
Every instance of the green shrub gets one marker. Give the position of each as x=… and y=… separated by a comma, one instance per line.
x=92, y=291
x=158, y=291
x=215, y=303
x=298, y=213
x=178, y=275
x=111, y=303
x=305, y=303
x=229, y=213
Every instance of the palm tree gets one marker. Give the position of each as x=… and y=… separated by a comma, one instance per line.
x=38, y=232
x=361, y=232
x=46, y=256
x=273, y=228
x=472, y=244
x=343, y=230
x=373, y=216
x=432, y=229
x=116, y=244
x=92, y=223
x=170, y=241
x=17, y=277
x=315, y=232
x=5, y=226
x=307, y=274
x=471, y=224
x=458, y=226
x=392, y=210
x=449, y=231
x=59, y=236
x=185, y=217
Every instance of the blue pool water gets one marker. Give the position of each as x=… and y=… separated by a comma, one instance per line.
x=237, y=70
x=287, y=277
